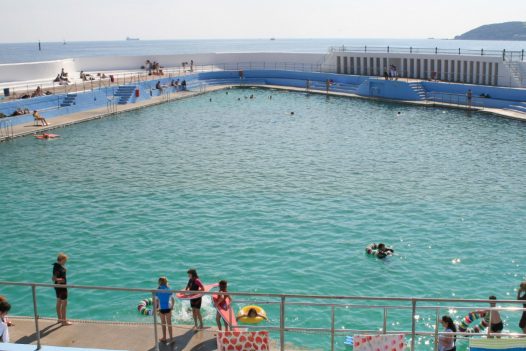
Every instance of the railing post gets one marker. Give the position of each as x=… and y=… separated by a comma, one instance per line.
x=489, y=327
x=413, y=324
x=35, y=312
x=410, y=49
x=154, y=313
x=387, y=48
x=384, y=327
x=437, y=322
x=332, y=328
x=282, y=324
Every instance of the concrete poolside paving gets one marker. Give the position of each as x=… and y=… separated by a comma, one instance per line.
x=112, y=336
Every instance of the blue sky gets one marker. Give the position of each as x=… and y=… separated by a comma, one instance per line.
x=53, y=20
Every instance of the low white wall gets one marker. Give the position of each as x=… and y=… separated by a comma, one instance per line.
x=14, y=72
x=135, y=62
x=18, y=72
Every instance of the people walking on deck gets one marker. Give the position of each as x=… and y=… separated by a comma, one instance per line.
x=5, y=307
x=191, y=65
x=194, y=284
x=164, y=302
x=521, y=295
x=59, y=278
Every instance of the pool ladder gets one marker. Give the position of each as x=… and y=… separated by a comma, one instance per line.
x=6, y=130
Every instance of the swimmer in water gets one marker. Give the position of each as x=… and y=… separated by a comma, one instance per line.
x=270, y=97
x=210, y=100
x=399, y=113
x=252, y=313
x=292, y=113
x=383, y=251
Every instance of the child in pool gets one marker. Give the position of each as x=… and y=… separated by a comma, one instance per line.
x=194, y=284
x=447, y=342
x=251, y=313
x=222, y=302
x=164, y=302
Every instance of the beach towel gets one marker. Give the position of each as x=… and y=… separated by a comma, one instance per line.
x=497, y=344
x=242, y=341
x=392, y=342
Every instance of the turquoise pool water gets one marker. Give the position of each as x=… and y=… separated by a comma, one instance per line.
x=243, y=191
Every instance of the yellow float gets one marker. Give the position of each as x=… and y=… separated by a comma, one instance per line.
x=251, y=314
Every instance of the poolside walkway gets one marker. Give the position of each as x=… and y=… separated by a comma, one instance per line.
x=113, y=336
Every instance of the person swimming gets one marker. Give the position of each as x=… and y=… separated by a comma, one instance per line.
x=383, y=251
x=379, y=250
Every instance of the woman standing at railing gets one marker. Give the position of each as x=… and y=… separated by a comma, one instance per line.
x=59, y=278
x=447, y=342
x=522, y=290
x=194, y=284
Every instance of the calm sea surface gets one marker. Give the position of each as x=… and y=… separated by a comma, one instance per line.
x=242, y=191
x=25, y=52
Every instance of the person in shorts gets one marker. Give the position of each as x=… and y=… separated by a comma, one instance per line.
x=194, y=284
x=164, y=302
x=59, y=278
x=496, y=324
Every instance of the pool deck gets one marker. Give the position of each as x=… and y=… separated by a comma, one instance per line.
x=66, y=120
x=111, y=336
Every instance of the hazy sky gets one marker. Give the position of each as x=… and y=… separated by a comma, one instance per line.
x=54, y=20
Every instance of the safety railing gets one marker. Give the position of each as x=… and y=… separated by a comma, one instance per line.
x=506, y=55
x=386, y=305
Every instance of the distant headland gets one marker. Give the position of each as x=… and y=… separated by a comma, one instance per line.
x=497, y=31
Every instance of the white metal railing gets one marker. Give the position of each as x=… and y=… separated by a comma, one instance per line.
x=384, y=304
x=506, y=55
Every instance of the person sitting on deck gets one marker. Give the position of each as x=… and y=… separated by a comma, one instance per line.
x=63, y=74
x=159, y=86
x=38, y=92
x=39, y=118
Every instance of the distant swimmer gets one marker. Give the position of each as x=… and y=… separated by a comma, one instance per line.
x=270, y=97
x=47, y=136
x=399, y=113
x=252, y=96
x=292, y=113
x=238, y=99
x=210, y=99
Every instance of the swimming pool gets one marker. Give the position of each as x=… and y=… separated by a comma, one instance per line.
x=243, y=191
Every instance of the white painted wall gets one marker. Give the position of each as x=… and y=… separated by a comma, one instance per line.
x=34, y=70
x=43, y=70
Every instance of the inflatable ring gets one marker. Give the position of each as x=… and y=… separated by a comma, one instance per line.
x=242, y=316
x=145, y=307
x=372, y=249
x=465, y=324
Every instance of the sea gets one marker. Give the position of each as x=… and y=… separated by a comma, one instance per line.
x=27, y=52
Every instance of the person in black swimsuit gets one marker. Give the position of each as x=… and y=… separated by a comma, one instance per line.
x=59, y=278
x=522, y=289
x=194, y=284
